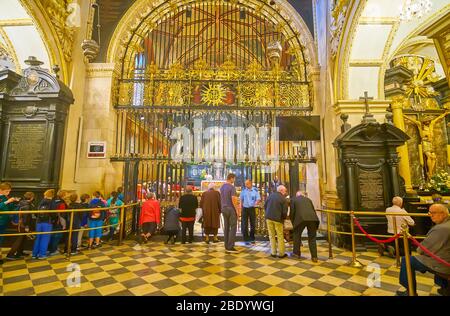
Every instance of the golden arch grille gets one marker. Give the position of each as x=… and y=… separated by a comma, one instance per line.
x=227, y=62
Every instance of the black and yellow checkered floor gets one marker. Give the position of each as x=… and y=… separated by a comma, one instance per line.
x=200, y=269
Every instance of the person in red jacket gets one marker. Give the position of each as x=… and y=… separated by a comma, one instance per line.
x=150, y=217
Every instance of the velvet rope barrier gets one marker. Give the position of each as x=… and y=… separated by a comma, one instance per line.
x=428, y=252
x=373, y=238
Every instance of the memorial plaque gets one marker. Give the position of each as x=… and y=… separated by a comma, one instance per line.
x=25, y=153
x=371, y=190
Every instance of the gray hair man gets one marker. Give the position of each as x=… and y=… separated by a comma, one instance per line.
x=396, y=208
x=250, y=198
x=303, y=215
x=437, y=242
x=276, y=210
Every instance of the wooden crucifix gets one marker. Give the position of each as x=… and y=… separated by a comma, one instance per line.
x=368, y=117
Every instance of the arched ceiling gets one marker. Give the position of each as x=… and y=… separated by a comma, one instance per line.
x=128, y=33
x=19, y=37
x=376, y=36
x=111, y=12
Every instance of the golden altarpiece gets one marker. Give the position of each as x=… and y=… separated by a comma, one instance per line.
x=420, y=107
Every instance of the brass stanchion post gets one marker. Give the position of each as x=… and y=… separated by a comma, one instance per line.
x=69, y=241
x=121, y=226
x=354, y=263
x=330, y=248
x=397, y=246
x=408, y=260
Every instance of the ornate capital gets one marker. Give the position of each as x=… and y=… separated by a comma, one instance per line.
x=393, y=161
x=51, y=117
x=398, y=102
x=350, y=161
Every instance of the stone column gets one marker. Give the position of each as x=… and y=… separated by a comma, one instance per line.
x=352, y=189
x=393, y=172
x=99, y=119
x=397, y=113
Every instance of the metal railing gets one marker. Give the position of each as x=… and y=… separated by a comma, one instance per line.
x=354, y=262
x=122, y=229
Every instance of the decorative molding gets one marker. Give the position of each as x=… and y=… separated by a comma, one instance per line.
x=57, y=15
x=348, y=49
x=358, y=107
x=440, y=33
x=338, y=18
x=377, y=21
x=10, y=50
x=17, y=22
x=366, y=63
x=30, y=111
x=102, y=70
x=384, y=64
x=48, y=34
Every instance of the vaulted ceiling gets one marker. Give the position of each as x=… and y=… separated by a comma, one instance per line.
x=19, y=37
x=377, y=36
x=111, y=11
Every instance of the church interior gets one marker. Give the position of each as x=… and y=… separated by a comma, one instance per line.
x=340, y=108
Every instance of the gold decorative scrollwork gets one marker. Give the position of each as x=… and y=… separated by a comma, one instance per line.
x=256, y=94
x=214, y=94
x=59, y=16
x=125, y=93
x=293, y=95
x=224, y=86
x=171, y=93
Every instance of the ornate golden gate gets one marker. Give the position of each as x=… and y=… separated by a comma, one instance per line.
x=225, y=62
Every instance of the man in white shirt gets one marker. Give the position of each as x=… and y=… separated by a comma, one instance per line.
x=396, y=207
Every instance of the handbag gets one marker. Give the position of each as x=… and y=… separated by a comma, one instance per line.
x=288, y=224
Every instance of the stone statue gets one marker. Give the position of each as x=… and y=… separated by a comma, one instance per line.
x=426, y=128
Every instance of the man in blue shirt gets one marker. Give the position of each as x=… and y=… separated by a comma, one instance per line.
x=250, y=198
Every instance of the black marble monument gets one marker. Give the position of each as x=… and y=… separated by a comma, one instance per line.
x=369, y=177
x=33, y=113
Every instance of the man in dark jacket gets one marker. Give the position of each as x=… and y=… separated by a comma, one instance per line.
x=304, y=215
x=276, y=212
x=188, y=204
x=24, y=226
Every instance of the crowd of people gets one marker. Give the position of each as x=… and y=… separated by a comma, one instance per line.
x=213, y=204
x=226, y=203
x=57, y=223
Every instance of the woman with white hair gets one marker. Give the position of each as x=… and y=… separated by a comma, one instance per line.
x=150, y=217
x=211, y=206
